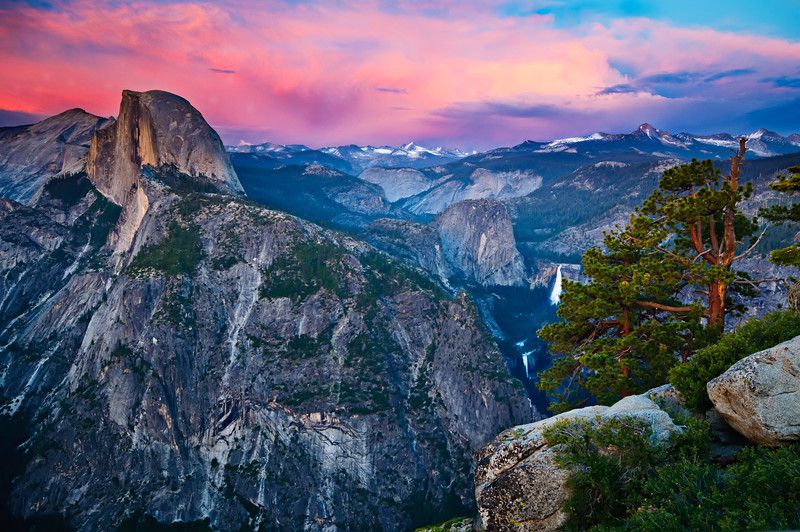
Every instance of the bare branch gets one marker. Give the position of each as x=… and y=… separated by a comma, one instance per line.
x=751, y=248
x=660, y=306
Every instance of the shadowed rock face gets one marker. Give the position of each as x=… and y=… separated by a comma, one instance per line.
x=31, y=155
x=158, y=129
x=478, y=242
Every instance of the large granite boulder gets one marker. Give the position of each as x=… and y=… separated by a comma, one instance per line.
x=519, y=486
x=759, y=396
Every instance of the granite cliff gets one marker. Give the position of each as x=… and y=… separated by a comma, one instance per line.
x=171, y=351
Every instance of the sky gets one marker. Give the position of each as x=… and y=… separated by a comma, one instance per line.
x=466, y=74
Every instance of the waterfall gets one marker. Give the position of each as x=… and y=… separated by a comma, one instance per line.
x=555, y=295
x=525, y=362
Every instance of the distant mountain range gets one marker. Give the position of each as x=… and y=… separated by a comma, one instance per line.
x=648, y=139
x=352, y=158
x=645, y=140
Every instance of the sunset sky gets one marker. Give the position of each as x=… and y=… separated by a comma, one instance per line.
x=463, y=74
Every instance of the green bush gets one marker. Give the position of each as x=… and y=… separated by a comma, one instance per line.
x=761, y=491
x=178, y=253
x=608, y=461
x=690, y=378
x=621, y=480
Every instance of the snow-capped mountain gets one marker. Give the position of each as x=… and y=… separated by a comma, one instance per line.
x=651, y=140
x=352, y=158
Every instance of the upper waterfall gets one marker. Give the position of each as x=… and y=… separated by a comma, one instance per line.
x=555, y=295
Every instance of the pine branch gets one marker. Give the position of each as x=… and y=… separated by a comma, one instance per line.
x=660, y=306
x=751, y=248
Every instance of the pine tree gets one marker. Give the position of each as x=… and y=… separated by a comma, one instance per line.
x=700, y=211
x=659, y=289
x=790, y=184
x=615, y=336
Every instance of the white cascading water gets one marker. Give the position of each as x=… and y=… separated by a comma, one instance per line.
x=555, y=295
x=525, y=362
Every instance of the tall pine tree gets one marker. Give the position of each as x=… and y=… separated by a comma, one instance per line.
x=659, y=289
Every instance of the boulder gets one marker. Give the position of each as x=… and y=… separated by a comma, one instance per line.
x=518, y=485
x=759, y=396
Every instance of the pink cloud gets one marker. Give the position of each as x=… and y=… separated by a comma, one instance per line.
x=309, y=73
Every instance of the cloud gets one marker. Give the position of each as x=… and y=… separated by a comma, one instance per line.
x=785, y=82
x=672, y=77
x=311, y=72
x=621, y=88
x=479, y=110
x=737, y=72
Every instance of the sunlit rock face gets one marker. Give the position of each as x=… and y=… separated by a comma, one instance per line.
x=157, y=128
x=759, y=396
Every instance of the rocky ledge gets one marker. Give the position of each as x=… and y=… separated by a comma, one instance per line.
x=519, y=486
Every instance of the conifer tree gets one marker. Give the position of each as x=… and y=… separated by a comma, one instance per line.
x=790, y=184
x=659, y=289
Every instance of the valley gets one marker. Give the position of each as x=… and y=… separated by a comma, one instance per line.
x=267, y=336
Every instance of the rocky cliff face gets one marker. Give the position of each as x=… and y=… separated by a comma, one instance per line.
x=472, y=241
x=32, y=155
x=480, y=183
x=160, y=131
x=478, y=242
x=399, y=183
x=232, y=363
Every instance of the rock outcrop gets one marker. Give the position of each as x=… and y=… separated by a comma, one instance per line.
x=164, y=132
x=158, y=129
x=398, y=183
x=477, y=241
x=480, y=183
x=519, y=487
x=759, y=396
x=471, y=242
x=32, y=155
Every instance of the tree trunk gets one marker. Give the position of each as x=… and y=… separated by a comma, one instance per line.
x=716, y=304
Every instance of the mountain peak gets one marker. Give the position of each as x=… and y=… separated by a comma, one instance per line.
x=157, y=128
x=762, y=132
x=648, y=130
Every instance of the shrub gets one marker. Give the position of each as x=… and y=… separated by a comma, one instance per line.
x=691, y=377
x=178, y=253
x=761, y=491
x=610, y=462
